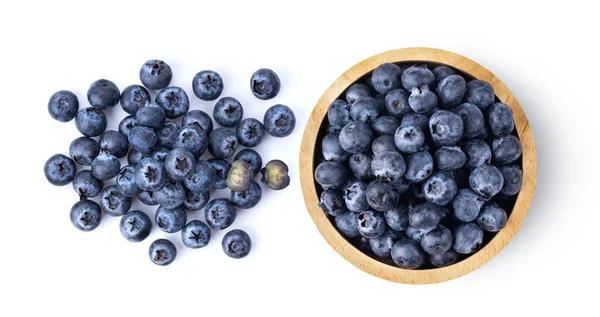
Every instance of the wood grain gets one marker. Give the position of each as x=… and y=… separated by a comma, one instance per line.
x=347, y=250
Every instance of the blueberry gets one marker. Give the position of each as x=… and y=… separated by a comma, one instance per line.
x=236, y=244
x=222, y=143
x=388, y=165
x=440, y=188
x=445, y=259
x=150, y=174
x=114, y=143
x=103, y=94
x=371, y=224
x=331, y=175
x=486, y=180
x=200, y=119
x=437, y=241
x=202, y=178
x=251, y=157
x=473, y=120
x=478, y=153
x=422, y=100
x=356, y=137
x=279, y=121
x=196, y=200
x=418, y=166
x=416, y=119
x=407, y=254
x=382, y=195
x=449, y=158
x=220, y=213
x=248, y=198
x=382, y=144
x=396, y=103
x=382, y=245
x=492, y=218
x=151, y=115
x=84, y=150
x=417, y=76
x=86, y=215
x=506, y=150
x=90, y=122
x=126, y=181
x=170, y=220
x=162, y=252
x=416, y=234
x=265, y=84
x=441, y=72
x=113, y=202
x=86, y=185
x=167, y=134
x=360, y=164
x=193, y=139
x=467, y=205
x=386, y=77
x=143, y=138
x=250, y=132
x=480, y=94
x=135, y=226
x=147, y=198
x=446, y=127
x=385, y=125
x=355, y=91
x=63, y=106
x=105, y=166
x=196, y=234
x=174, y=101
x=126, y=125
x=365, y=109
x=221, y=169
x=355, y=197
x=483, y=134
x=179, y=164
x=240, y=175
x=171, y=195
x=275, y=175
x=409, y=138
x=332, y=202
x=500, y=119
x=451, y=90
x=207, y=85
x=160, y=154
x=468, y=238
x=424, y=216
x=347, y=224
x=513, y=179
x=332, y=149
x=156, y=74
x=133, y=98
x=402, y=184
x=228, y=112
x=338, y=114
x=397, y=217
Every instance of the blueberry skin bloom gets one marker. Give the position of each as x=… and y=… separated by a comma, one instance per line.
x=113, y=202
x=207, y=85
x=220, y=213
x=147, y=198
x=356, y=91
x=150, y=174
x=250, y=132
x=86, y=215
x=90, y=122
x=332, y=149
x=425, y=216
x=451, y=90
x=365, y=109
x=371, y=224
x=407, y=254
x=417, y=76
x=265, y=84
x=126, y=181
x=236, y=244
x=396, y=103
x=170, y=220
x=492, y=218
x=468, y=238
x=174, y=101
x=500, y=119
x=199, y=119
x=331, y=175
x=381, y=195
x=409, y=138
x=332, y=202
x=248, y=198
x=203, y=177
x=467, y=205
x=356, y=137
x=279, y=121
x=473, y=120
x=180, y=164
x=418, y=166
x=193, y=139
x=84, y=150
x=355, y=197
x=222, y=143
x=105, y=166
x=441, y=72
x=440, y=188
x=437, y=241
x=114, y=143
x=142, y=138
x=135, y=226
x=228, y=112
x=449, y=158
x=386, y=77
x=155, y=74
x=167, y=134
x=444, y=259
x=417, y=119
x=478, y=153
x=63, y=106
x=513, y=179
x=347, y=224
x=195, y=235
x=486, y=180
x=171, y=195
x=133, y=98
x=388, y=165
x=162, y=252
x=103, y=94
x=422, y=100
x=382, y=245
x=151, y=116
x=382, y=144
x=251, y=157
x=86, y=185
x=506, y=150
x=397, y=217
x=126, y=125
x=360, y=164
x=385, y=125
x=221, y=169
x=338, y=114
x=446, y=127
x=480, y=93
x=195, y=200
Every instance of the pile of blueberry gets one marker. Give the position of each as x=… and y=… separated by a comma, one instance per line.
x=419, y=165
x=164, y=157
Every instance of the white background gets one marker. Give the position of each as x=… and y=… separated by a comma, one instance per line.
x=546, y=54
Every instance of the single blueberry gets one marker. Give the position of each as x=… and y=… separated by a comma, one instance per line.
x=473, y=120
x=248, y=198
x=207, y=85
x=385, y=125
x=397, y=217
x=388, y=165
x=203, y=177
x=382, y=195
x=396, y=103
x=365, y=109
x=486, y=180
x=174, y=101
x=195, y=200
x=437, y=241
x=170, y=220
x=196, y=234
x=417, y=76
x=468, y=238
x=492, y=218
x=113, y=202
x=382, y=144
x=63, y=106
x=147, y=198
x=441, y=72
x=162, y=252
x=220, y=213
x=332, y=202
x=480, y=94
x=355, y=91
x=356, y=137
x=105, y=166
x=86, y=215
x=193, y=139
x=440, y=188
x=449, y=158
x=513, y=179
x=126, y=181
x=360, y=164
x=171, y=195
x=222, y=143
x=126, y=125
x=103, y=94
x=467, y=205
x=150, y=174
x=135, y=226
x=331, y=175
x=200, y=119
x=445, y=259
x=416, y=119
x=133, y=98
x=386, y=77
x=371, y=224
x=265, y=84
x=151, y=115
x=251, y=157
x=347, y=224
x=250, y=132
x=114, y=143
x=500, y=119
x=180, y=164
x=143, y=138
x=478, y=153
x=382, y=245
x=409, y=138
x=90, y=122
x=167, y=134
x=446, y=127
x=155, y=74
x=506, y=150
x=86, y=185
x=407, y=254
x=332, y=149
x=338, y=114
x=418, y=166
x=228, y=112
x=355, y=197
x=84, y=150
x=451, y=90
x=236, y=244
x=422, y=100
x=221, y=169
x=279, y=121
x=425, y=216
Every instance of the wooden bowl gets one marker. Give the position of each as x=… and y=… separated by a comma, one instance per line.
x=345, y=248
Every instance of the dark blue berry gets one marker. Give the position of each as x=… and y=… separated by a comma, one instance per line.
x=441, y=72
x=228, y=112
x=103, y=94
x=126, y=125
x=86, y=215
x=365, y=109
x=506, y=150
x=196, y=234
x=151, y=115
x=174, y=101
x=418, y=166
x=236, y=244
x=63, y=106
x=247, y=198
x=167, y=134
x=388, y=165
x=417, y=76
x=114, y=143
x=143, y=138
x=251, y=157
x=207, y=85
x=155, y=74
x=422, y=100
x=90, y=122
x=396, y=103
x=478, y=153
x=480, y=94
x=416, y=119
x=195, y=200
x=147, y=198
x=220, y=213
x=355, y=197
x=451, y=90
x=446, y=127
x=486, y=180
x=332, y=202
x=170, y=220
x=407, y=254
x=355, y=91
x=473, y=120
x=133, y=98
x=135, y=226
x=449, y=158
x=265, y=84
x=222, y=143
x=360, y=164
x=162, y=252
x=437, y=241
x=467, y=204
x=468, y=238
x=513, y=179
x=356, y=137
x=492, y=218
x=279, y=121
x=440, y=188
x=105, y=166
x=338, y=114
x=150, y=174
x=382, y=245
x=331, y=175
x=126, y=181
x=385, y=125
x=171, y=195
x=221, y=169
x=250, y=132
x=135, y=156
x=371, y=224
x=86, y=185
x=424, y=216
x=382, y=195
x=179, y=164
x=84, y=150
x=113, y=202
x=500, y=119
x=409, y=138
x=332, y=150
x=382, y=144
x=203, y=177
x=386, y=77
x=397, y=217
x=347, y=224
x=200, y=119
x=445, y=259
x=191, y=138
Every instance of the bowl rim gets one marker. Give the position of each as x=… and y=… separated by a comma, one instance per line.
x=357, y=257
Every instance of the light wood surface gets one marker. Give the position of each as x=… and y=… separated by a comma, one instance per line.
x=347, y=250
